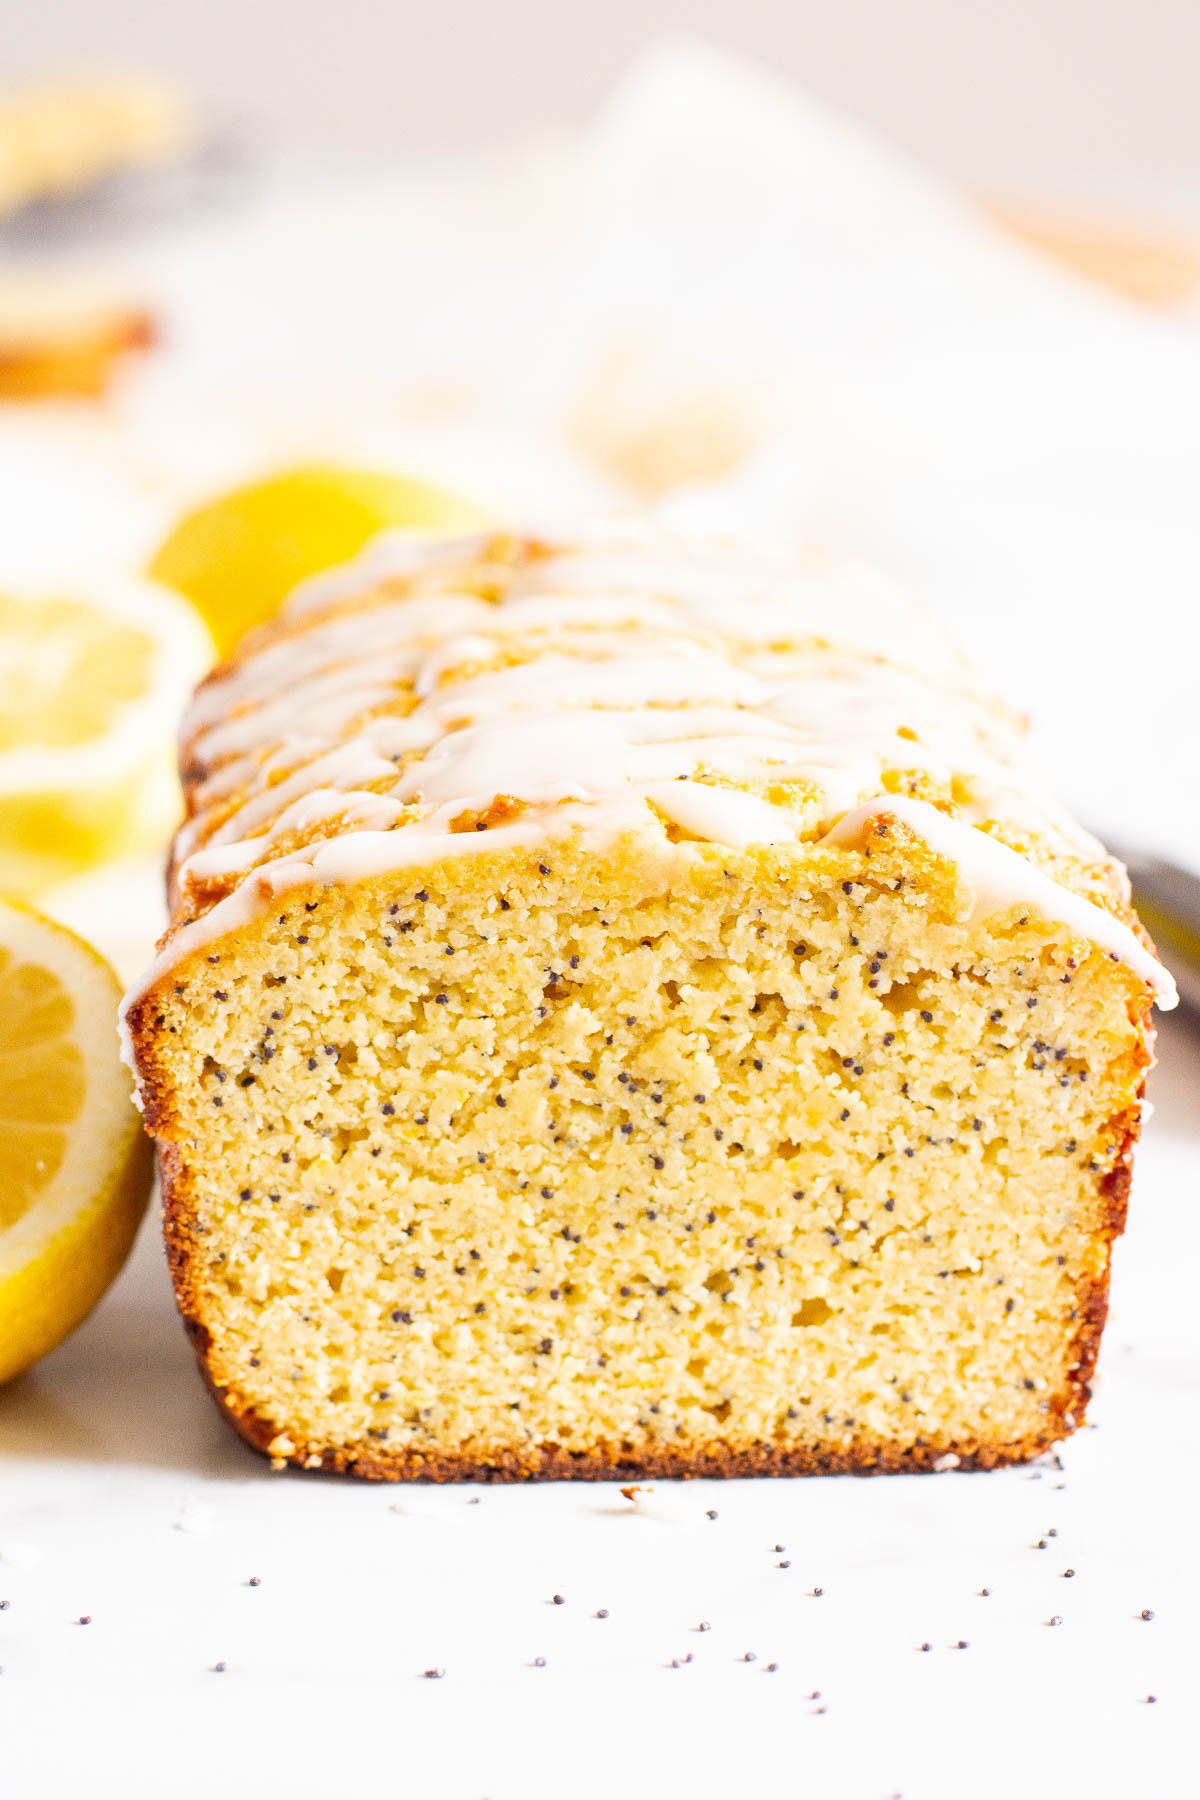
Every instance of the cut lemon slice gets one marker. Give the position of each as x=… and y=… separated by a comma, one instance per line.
x=75, y=1166
x=239, y=557
x=92, y=684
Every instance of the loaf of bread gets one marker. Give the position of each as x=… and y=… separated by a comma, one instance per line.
x=627, y=1012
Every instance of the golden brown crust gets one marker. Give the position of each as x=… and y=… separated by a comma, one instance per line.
x=623, y=1462
x=1093, y=1295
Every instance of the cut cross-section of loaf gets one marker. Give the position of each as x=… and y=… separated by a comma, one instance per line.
x=626, y=1011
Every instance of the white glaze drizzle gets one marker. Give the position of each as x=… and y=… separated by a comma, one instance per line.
x=390, y=556
x=998, y=880
x=625, y=687
x=344, y=637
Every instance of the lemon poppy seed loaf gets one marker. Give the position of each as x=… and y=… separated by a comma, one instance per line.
x=627, y=1012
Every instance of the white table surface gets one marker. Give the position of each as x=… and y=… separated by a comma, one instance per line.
x=1061, y=535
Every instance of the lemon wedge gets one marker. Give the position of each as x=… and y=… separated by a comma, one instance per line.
x=75, y=1165
x=239, y=557
x=92, y=684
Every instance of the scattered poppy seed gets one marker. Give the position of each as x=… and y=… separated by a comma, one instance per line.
x=434, y=1674
x=1147, y=1614
x=559, y=1600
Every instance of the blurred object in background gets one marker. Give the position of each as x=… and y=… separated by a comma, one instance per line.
x=92, y=683
x=653, y=422
x=63, y=334
x=61, y=138
x=104, y=154
x=237, y=557
x=1168, y=902
x=1154, y=271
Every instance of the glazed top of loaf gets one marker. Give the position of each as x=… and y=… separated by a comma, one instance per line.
x=434, y=699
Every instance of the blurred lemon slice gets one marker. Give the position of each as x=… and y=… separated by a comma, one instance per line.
x=239, y=557
x=75, y=1165
x=92, y=683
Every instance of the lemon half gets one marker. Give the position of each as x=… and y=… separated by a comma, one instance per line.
x=239, y=557
x=93, y=679
x=75, y=1165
